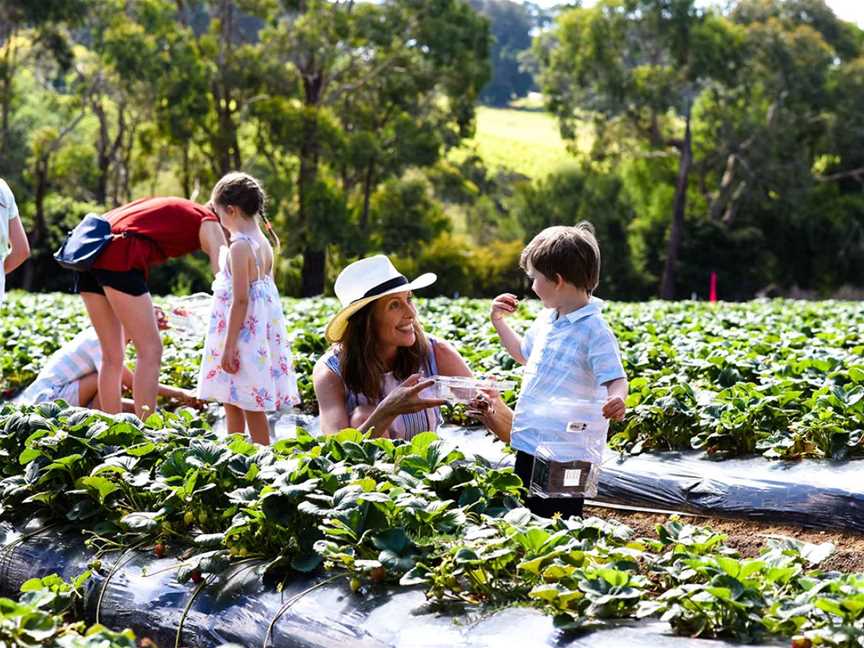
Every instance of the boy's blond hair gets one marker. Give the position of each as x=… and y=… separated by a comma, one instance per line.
x=569, y=251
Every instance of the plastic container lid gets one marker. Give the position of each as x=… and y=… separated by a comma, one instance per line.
x=462, y=389
x=189, y=314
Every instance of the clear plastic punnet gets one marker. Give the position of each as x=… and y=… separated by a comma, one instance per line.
x=460, y=389
x=188, y=315
x=571, y=438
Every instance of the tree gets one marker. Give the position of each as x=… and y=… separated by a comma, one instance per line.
x=585, y=194
x=406, y=216
x=637, y=68
x=770, y=144
x=46, y=18
x=338, y=52
x=511, y=25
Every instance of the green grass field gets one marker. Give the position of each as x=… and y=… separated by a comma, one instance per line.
x=527, y=141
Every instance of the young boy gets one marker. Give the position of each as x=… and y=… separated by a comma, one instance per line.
x=569, y=351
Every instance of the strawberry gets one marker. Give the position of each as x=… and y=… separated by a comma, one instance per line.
x=377, y=574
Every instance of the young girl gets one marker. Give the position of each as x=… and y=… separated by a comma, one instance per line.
x=247, y=361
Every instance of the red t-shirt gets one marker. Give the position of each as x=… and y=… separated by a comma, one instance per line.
x=171, y=226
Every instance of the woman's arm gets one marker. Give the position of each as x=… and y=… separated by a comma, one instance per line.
x=405, y=399
x=241, y=257
x=20, y=246
x=183, y=396
x=490, y=410
x=212, y=239
x=449, y=361
x=330, y=394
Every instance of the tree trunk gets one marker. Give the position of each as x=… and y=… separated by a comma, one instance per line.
x=314, y=256
x=727, y=185
x=103, y=159
x=314, y=269
x=40, y=176
x=185, y=178
x=367, y=195
x=123, y=186
x=314, y=250
x=667, y=284
x=6, y=93
x=226, y=144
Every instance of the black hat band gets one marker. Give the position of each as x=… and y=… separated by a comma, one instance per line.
x=395, y=282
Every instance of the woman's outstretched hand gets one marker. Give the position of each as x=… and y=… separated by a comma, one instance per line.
x=406, y=399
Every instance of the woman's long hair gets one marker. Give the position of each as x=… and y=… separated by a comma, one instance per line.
x=362, y=368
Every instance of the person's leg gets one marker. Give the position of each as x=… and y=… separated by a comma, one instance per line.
x=88, y=387
x=110, y=334
x=235, y=422
x=139, y=323
x=259, y=427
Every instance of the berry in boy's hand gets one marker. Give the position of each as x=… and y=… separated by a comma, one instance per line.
x=503, y=305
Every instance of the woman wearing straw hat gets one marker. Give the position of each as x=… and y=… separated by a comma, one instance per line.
x=375, y=374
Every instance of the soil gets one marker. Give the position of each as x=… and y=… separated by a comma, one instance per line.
x=750, y=537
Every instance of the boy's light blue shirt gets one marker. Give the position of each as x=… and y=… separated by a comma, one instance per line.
x=571, y=357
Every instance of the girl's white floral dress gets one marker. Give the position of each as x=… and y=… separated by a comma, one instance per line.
x=265, y=381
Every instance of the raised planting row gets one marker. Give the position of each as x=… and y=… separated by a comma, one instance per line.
x=780, y=378
x=415, y=514
x=45, y=616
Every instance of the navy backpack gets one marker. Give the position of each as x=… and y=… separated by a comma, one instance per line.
x=85, y=243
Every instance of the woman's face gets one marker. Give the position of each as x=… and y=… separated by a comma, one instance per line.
x=393, y=320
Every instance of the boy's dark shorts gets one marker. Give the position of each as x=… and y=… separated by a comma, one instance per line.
x=545, y=506
x=131, y=282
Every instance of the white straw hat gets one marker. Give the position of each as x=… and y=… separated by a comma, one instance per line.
x=363, y=282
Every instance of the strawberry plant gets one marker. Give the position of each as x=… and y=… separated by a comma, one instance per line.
x=779, y=378
x=383, y=511
x=44, y=616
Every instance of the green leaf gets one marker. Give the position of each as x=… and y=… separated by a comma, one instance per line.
x=394, y=540
x=102, y=486
x=306, y=563
x=28, y=455
x=546, y=592
x=421, y=442
x=208, y=539
x=142, y=521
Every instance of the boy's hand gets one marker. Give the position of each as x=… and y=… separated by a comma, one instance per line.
x=502, y=306
x=482, y=405
x=614, y=408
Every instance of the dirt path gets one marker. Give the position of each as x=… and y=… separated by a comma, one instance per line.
x=750, y=537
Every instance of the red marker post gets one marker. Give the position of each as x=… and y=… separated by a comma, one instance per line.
x=712, y=289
